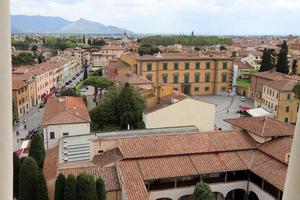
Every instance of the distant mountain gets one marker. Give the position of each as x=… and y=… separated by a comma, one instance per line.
x=41, y=24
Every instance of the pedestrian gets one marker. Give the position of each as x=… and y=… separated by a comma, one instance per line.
x=227, y=111
x=24, y=121
x=17, y=133
x=25, y=126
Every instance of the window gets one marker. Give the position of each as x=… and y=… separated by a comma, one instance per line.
x=197, y=65
x=165, y=66
x=175, y=66
x=224, y=65
x=196, y=89
x=52, y=135
x=224, y=77
x=286, y=119
x=275, y=107
x=289, y=97
x=66, y=134
x=186, y=66
x=149, y=77
x=197, y=78
x=207, y=77
x=208, y=65
x=206, y=89
x=165, y=78
x=287, y=109
x=149, y=67
x=186, y=78
x=175, y=78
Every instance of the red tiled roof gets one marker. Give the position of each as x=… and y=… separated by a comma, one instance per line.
x=51, y=163
x=182, y=144
x=108, y=174
x=108, y=157
x=263, y=126
x=65, y=110
x=282, y=85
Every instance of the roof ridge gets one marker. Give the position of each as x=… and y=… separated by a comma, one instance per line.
x=264, y=126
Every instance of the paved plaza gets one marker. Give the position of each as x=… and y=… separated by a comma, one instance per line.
x=226, y=108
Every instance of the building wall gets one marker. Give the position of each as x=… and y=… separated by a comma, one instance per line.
x=97, y=146
x=214, y=85
x=223, y=188
x=283, y=114
x=21, y=100
x=44, y=82
x=257, y=84
x=187, y=112
x=72, y=129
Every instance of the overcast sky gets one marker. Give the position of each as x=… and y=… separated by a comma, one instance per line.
x=221, y=17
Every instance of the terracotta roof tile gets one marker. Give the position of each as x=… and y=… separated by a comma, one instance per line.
x=108, y=174
x=108, y=157
x=65, y=110
x=51, y=164
x=263, y=126
x=282, y=85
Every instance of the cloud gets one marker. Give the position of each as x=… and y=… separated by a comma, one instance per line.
x=175, y=16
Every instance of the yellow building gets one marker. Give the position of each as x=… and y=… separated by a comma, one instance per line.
x=191, y=74
x=278, y=98
x=24, y=93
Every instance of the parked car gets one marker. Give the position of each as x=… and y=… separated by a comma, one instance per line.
x=42, y=105
x=74, y=78
x=243, y=99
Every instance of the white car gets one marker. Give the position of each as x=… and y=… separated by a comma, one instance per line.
x=243, y=99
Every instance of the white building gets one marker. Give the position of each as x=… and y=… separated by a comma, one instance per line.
x=64, y=116
x=180, y=110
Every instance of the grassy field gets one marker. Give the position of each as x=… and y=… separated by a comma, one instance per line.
x=244, y=83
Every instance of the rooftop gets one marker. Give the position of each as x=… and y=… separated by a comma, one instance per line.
x=282, y=85
x=179, y=56
x=263, y=126
x=65, y=110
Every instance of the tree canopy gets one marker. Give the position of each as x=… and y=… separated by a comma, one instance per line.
x=100, y=188
x=59, y=187
x=70, y=192
x=24, y=58
x=120, y=106
x=282, y=61
x=266, y=62
x=186, y=40
x=202, y=192
x=42, y=191
x=29, y=180
x=37, y=150
x=147, y=49
x=296, y=90
x=86, y=187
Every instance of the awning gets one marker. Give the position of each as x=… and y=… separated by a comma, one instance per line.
x=258, y=112
x=244, y=108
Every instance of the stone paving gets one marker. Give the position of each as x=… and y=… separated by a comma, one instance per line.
x=227, y=107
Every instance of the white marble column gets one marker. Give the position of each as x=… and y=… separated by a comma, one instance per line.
x=292, y=183
x=6, y=143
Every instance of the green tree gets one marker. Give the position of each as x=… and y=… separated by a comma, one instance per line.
x=23, y=58
x=83, y=39
x=70, y=192
x=42, y=190
x=202, y=192
x=28, y=180
x=98, y=83
x=34, y=48
x=266, y=62
x=16, y=166
x=59, y=187
x=37, y=150
x=130, y=107
x=296, y=90
x=100, y=188
x=294, y=67
x=90, y=41
x=145, y=49
x=233, y=54
x=86, y=187
x=282, y=61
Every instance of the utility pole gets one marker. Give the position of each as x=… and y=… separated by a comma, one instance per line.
x=6, y=137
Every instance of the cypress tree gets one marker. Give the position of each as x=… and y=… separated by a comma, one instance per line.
x=282, y=61
x=266, y=62
x=202, y=192
x=86, y=187
x=37, y=150
x=60, y=187
x=28, y=180
x=100, y=188
x=70, y=191
x=17, y=164
x=42, y=190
